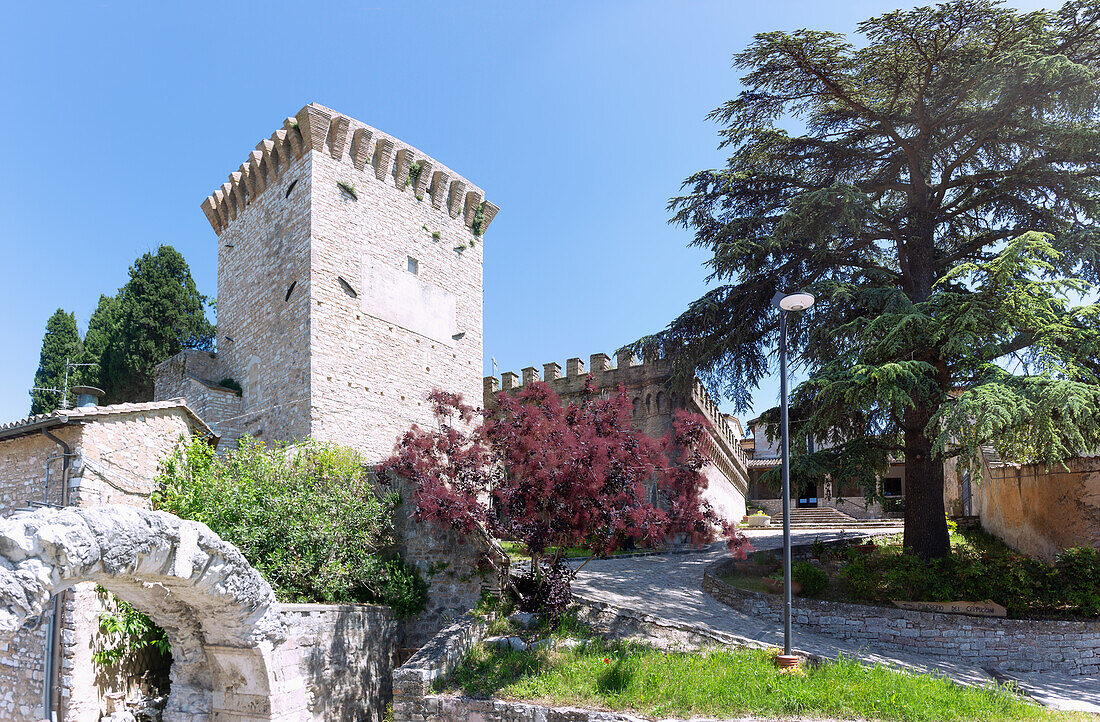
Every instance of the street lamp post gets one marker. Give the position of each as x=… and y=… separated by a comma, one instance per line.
x=786, y=303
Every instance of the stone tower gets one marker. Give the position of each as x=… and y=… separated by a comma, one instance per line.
x=349, y=286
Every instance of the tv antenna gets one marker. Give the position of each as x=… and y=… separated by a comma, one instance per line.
x=64, y=390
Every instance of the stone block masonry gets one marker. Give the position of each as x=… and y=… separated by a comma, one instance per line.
x=1018, y=645
x=349, y=285
x=106, y=455
x=238, y=655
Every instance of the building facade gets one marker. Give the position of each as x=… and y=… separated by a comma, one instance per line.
x=764, y=455
x=82, y=457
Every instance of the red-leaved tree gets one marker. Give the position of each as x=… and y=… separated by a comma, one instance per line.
x=555, y=477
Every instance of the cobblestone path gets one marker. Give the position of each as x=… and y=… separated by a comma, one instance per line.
x=670, y=586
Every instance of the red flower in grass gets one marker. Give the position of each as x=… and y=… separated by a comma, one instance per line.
x=606, y=660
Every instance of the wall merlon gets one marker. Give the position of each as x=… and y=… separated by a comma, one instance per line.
x=509, y=380
x=489, y=211
x=423, y=179
x=454, y=198
x=294, y=137
x=211, y=213
x=473, y=200
x=624, y=359
x=313, y=123
x=383, y=157
x=551, y=371
x=530, y=375
x=249, y=179
x=404, y=163
x=598, y=362
x=574, y=367
x=440, y=180
x=257, y=173
x=338, y=134
x=360, y=148
x=490, y=385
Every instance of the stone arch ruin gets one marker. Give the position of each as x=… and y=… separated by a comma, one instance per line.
x=222, y=620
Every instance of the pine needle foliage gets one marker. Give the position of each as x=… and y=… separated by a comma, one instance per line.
x=159, y=313
x=935, y=185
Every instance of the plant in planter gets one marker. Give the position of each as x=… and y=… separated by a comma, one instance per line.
x=758, y=518
x=774, y=583
x=813, y=581
x=760, y=564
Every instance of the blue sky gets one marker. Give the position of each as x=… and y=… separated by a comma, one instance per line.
x=579, y=119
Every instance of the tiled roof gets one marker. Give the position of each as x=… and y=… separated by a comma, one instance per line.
x=66, y=416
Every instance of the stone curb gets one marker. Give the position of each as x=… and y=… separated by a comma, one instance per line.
x=1066, y=647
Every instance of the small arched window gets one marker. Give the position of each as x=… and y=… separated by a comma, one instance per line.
x=648, y=403
x=660, y=402
x=637, y=406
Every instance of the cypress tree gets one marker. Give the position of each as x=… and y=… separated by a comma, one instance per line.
x=61, y=342
x=102, y=327
x=159, y=313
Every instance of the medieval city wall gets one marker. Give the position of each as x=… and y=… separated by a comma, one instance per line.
x=1041, y=510
x=653, y=405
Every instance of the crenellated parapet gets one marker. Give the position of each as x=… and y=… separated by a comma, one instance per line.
x=646, y=381
x=376, y=155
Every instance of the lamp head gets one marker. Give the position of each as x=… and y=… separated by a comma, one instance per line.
x=799, y=301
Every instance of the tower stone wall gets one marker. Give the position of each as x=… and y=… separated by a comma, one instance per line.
x=349, y=286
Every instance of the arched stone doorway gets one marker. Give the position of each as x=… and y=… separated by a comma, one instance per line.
x=220, y=615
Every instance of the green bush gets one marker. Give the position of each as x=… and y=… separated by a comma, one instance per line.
x=981, y=567
x=125, y=632
x=814, y=581
x=1078, y=574
x=307, y=517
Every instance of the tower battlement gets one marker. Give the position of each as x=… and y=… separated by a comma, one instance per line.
x=367, y=149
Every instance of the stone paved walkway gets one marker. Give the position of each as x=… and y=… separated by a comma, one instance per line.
x=670, y=586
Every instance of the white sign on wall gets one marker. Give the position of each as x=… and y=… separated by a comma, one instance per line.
x=399, y=297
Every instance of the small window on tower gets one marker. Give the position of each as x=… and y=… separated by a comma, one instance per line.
x=414, y=266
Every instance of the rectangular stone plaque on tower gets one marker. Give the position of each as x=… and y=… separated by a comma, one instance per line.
x=399, y=297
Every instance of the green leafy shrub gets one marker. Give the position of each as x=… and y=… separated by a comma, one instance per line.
x=1078, y=574
x=124, y=632
x=307, y=517
x=814, y=581
x=981, y=567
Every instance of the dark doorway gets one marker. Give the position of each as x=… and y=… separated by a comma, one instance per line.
x=808, y=497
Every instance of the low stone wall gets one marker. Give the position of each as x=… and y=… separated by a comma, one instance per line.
x=344, y=654
x=1019, y=645
x=412, y=681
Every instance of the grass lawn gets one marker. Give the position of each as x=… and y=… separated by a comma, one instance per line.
x=627, y=676
x=979, y=567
